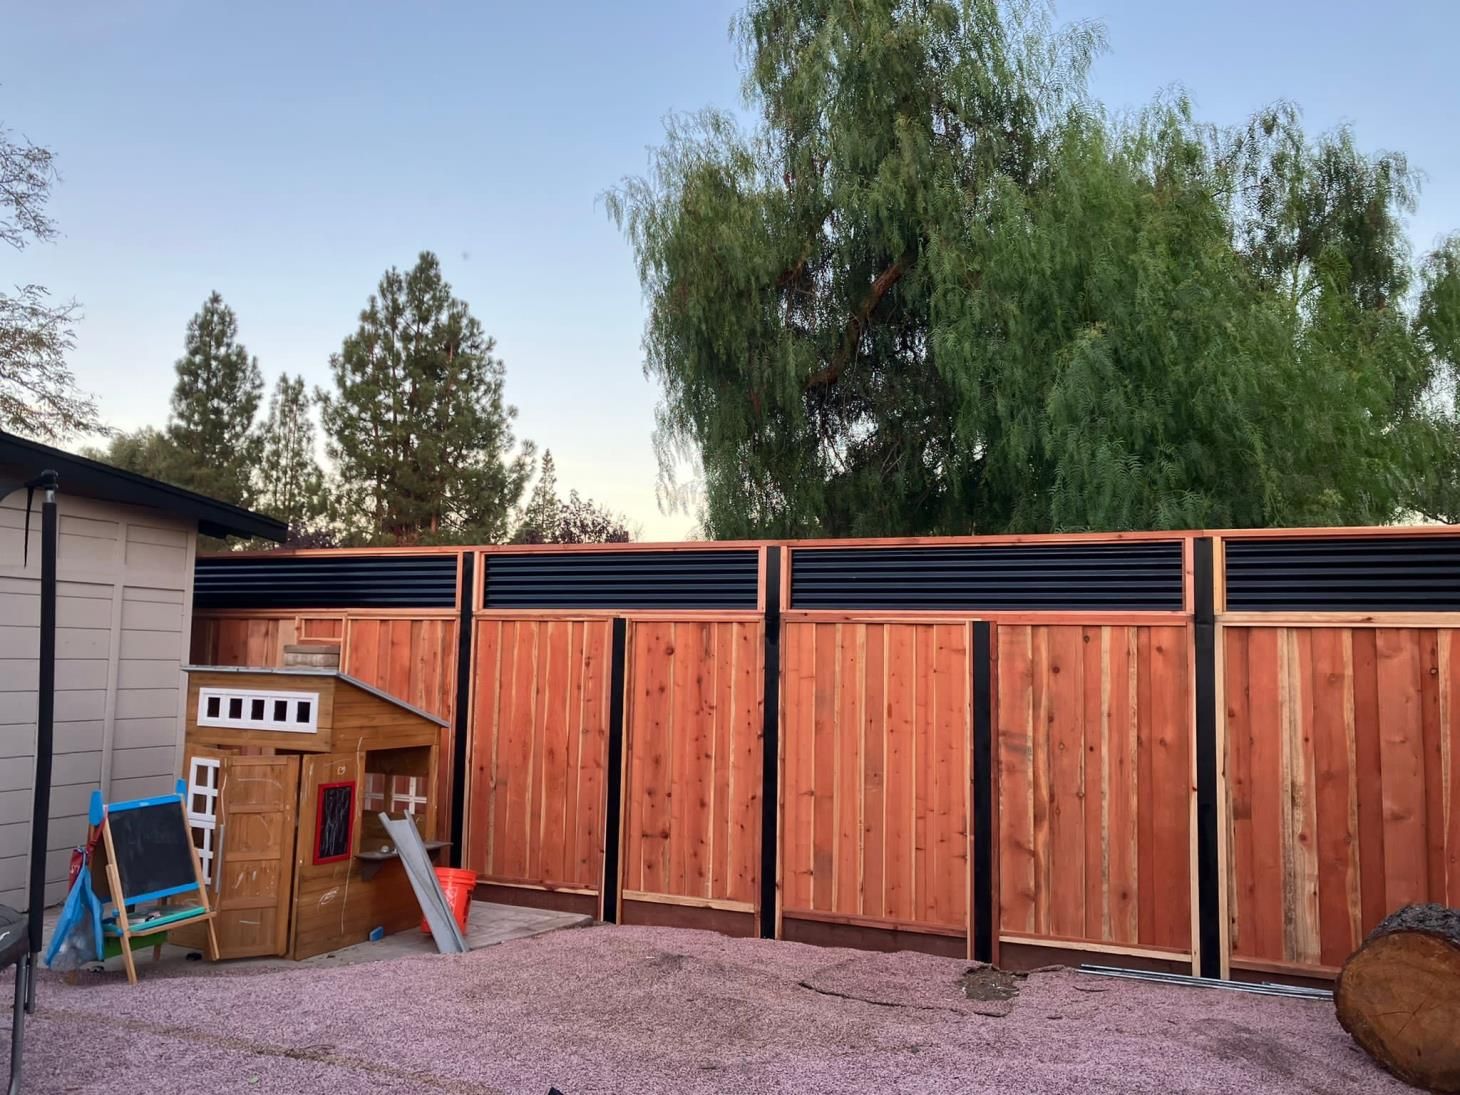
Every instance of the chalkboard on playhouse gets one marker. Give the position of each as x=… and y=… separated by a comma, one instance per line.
x=334, y=822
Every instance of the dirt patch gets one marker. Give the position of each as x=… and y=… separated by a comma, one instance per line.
x=988, y=984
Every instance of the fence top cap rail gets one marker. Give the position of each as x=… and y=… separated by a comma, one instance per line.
x=864, y=541
x=317, y=671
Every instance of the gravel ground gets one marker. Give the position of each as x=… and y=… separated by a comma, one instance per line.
x=640, y=1010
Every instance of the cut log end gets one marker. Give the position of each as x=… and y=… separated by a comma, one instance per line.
x=1398, y=995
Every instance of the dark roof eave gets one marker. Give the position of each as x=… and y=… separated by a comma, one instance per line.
x=93, y=478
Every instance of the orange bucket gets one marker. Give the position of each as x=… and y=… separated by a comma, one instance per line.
x=458, y=886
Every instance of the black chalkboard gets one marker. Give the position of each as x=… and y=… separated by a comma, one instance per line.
x=153, y=849
x=334, y=822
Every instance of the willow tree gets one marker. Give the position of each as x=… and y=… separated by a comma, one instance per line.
x=936, y=289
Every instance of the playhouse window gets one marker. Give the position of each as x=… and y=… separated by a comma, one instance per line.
x=203, y=809
x=395, y=782
x=251, y=709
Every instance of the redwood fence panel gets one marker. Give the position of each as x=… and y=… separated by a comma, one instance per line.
x=1343, y=762
x=1094, y=786
x=692, y=773
x=539, y=749
x=1233, y=752
x=876, y=733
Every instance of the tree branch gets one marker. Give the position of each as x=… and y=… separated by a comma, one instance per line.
x=852, y=336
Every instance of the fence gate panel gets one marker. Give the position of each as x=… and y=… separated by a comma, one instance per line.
x=692, y=774
x=876, y=740
x=538, y=748
x=1093, y=754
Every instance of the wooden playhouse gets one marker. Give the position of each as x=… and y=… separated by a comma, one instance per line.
x=287, y=771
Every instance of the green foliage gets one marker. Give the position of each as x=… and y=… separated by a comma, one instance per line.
x=290, y=484
x=938, y=290
x=546, y=519
x=214, y=402
x=417, y=425
x=541, y=514
x=38, y=393
x=1437, y=492
x=146, y=451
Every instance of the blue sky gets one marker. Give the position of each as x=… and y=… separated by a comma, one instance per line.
x=286, y=154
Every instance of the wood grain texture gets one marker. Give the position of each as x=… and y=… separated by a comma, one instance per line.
x=875, y=725
x=1340, y=758
x=1093, y=735
x=693, y=737
x=537, y=752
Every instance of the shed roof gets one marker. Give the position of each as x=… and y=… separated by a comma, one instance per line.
x=93, y=479
x=318, y=671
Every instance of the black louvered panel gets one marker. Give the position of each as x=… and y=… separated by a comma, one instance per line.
x=1139, y=575
x=325, y=581
x=1344, y=574
x=624, y=579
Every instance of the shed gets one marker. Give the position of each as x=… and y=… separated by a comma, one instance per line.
x=126, y=548
x=287, y=771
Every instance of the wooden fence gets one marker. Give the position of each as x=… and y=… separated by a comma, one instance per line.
x=1228, y=752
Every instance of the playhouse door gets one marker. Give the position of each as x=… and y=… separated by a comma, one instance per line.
x=253, y=868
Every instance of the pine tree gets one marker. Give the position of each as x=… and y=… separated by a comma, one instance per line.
x=290, y=484
x=213, y=406
x=417, y=425
x=540, y=515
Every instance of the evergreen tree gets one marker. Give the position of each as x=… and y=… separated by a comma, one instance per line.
x=290, y=484
x=547, y=519
x=417, y=425
x=540, y=516
x=938, y=290
x=214, y=403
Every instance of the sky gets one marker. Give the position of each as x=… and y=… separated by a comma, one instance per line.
x=287, y=154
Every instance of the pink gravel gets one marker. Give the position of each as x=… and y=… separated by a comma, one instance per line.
x=642, y=1010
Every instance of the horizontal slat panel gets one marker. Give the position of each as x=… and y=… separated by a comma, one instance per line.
x=1143, y=576
x=727, y=579
x=320, y=581
x=1344, y=574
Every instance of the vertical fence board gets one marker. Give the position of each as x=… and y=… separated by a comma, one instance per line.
x=1014, y=734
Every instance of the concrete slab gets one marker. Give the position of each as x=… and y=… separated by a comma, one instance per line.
x=488, y=924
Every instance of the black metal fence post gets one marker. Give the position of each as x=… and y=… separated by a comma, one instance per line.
x=613, y=806
x=770, y=745
x=1208, y=867
x=983, y=912
x=461, y=716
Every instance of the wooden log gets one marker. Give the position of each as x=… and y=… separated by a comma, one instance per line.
x=1399, y=996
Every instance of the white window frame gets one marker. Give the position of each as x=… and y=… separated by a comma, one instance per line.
x=289, y=725
x=412, y=797
x=204, y=774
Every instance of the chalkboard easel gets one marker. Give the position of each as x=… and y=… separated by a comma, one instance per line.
x=149, y=853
